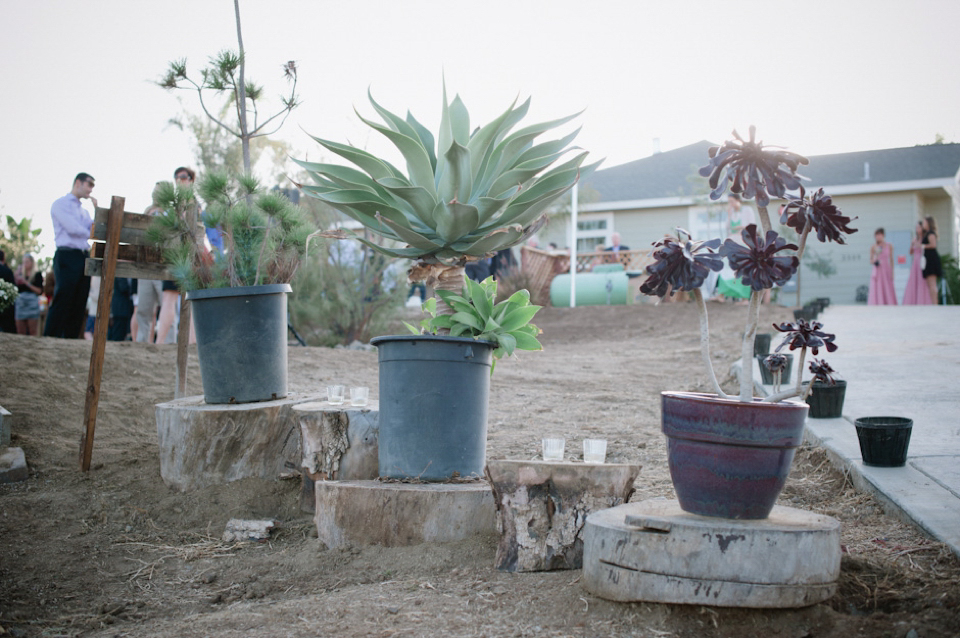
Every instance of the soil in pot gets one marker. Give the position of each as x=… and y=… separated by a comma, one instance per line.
x=884, y=440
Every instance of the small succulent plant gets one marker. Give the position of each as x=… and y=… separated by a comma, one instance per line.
x=762, y=259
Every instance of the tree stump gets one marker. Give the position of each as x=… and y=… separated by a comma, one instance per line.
x=337, y=442
x=399, y=514
x=542, y=507
x=202, y=445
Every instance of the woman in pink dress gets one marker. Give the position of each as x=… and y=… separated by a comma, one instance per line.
x=917, y=292
x=881, y=280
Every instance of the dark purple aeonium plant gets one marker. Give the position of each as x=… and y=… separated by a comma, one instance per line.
x=807, y=335
x=760, y=261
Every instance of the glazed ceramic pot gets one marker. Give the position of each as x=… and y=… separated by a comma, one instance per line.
x=727, y=458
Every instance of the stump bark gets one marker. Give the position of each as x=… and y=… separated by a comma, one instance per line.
x=337, y=442
x=202, y=445
x=542, y=508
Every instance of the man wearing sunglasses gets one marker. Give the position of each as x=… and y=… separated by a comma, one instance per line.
x=71, y=226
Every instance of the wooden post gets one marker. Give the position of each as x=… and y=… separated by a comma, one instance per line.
x=183, y=328
x=114, y=224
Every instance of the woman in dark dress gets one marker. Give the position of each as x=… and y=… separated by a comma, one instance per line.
x=931, y=258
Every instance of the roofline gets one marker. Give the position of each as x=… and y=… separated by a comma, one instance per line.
x=841, y=189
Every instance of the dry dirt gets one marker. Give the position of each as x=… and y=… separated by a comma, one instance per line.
x=114, y=552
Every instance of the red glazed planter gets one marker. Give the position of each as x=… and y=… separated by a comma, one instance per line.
x=729, y=459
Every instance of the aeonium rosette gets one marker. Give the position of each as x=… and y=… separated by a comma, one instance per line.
x=763, y=259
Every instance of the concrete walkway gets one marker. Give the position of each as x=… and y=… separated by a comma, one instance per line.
x=900, y=361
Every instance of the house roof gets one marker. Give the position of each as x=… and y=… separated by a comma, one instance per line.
x=671, y=174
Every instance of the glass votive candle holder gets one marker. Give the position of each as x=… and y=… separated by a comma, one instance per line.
x=335, y=394
x=553, y=449
x=594, y=450
x=359, y=395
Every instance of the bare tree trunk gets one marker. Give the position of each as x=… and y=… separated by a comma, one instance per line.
x=242, y=97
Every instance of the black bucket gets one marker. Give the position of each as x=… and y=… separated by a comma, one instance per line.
x=826, y=400
x=761, y=343
x=433, y=406
x=767, y=377
x=242, y=342
x=884, y=440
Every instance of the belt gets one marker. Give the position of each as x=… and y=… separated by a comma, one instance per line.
x=78, y=250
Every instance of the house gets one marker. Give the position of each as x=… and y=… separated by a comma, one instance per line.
x=889, y=188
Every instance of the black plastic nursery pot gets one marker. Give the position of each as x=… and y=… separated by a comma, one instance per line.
x=242, y=342
x=884, y=440
x=433, y=406
x=761, y=343
x=767, y=377
x=826, y=399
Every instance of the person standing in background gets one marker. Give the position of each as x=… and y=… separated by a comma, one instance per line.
x=71, y=227
x=932, y=270
x=30, y=285
x=881, y=280
x=7, y=321
x=917, y=293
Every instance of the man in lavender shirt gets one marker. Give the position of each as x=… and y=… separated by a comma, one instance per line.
x=71, y=226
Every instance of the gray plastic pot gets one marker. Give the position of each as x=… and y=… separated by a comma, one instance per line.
x=242, y=342
x=433, y=406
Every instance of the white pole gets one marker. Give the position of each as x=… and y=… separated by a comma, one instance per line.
x=573, y=245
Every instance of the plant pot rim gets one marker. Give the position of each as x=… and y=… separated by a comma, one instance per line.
x=376, y=341
x=827, y=384
x=709, y=398
x=237, y=291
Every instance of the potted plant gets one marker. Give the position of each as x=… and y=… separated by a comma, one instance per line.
x=729, y=456
x=826, y=392
x=465, y=195
x=239, y=295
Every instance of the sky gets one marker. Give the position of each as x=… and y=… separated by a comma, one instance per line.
x=78, y=91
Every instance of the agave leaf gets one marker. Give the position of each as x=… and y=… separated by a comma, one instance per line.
x=369, y=221
x=411, y=236
x=459, y=122
x=430, y=306
x=456, y=181
x=508, y=342
x=411, y=328
x=373, y=166
x=484, y=140
x=498, y=239
x=548, y=148
x=518, y=317
x=341, y=176
x=404, y=253
x=425, y=136
x=459, y=330
x=526, y=341
x=521, y=297
x=455, y=220
x=445, y=322
x=418, y=161
x=366, y=203
x=467, y=318
x=490, y=206
x=421, y=201
x=480, y=300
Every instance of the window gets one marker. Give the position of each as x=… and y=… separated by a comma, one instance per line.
x=593, y=231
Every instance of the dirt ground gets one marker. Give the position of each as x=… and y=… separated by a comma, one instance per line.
x=114, y=552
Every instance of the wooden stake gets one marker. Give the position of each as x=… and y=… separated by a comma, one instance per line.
x=114, y=224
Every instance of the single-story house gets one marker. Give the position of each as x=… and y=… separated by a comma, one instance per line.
x=889, y=188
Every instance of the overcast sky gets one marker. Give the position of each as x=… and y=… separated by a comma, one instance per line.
x=815, y=76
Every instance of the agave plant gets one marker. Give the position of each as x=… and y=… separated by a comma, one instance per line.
x=760, y=261
x=465, y=194
x=506, y=324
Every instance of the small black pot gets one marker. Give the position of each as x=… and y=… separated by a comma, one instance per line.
x=761, y=343
x=826, y=400
x=767, y=377
x=884, y=440
x=806, y=313
x=823, y=301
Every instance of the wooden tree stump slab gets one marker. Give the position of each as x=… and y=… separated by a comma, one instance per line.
x=202, y=445
x=337, y=442
x=542, y=507
x=402, y=514
x=653, y=551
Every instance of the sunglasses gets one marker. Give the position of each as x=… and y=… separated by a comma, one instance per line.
x=183, y=176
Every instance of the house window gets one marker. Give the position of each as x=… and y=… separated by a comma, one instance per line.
x=593, y=231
